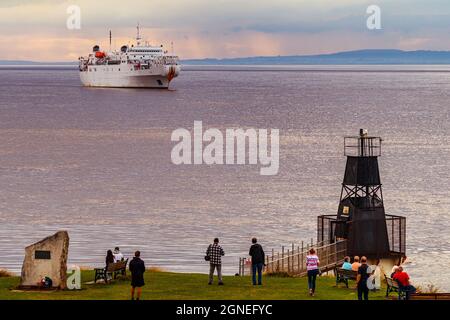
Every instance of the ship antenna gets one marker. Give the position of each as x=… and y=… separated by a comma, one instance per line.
x=110, y=39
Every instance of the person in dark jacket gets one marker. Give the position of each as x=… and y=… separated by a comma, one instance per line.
x=109, y=259
x=258, y=258
x=361, y=279
x=137, y=269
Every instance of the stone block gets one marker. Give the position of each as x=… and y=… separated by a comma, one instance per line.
x=46, y=258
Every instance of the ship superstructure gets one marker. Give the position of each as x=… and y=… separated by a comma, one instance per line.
x=139, y=66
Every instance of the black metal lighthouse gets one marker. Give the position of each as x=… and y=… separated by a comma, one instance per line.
x=361, y=218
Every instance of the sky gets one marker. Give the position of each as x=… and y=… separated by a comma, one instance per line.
x=37, y=29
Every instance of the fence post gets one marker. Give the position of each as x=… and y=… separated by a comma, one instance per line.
x=278, y=262
x=282, y=258
x=302, y=256
x=289, y=261
x=292, y=260
x=298, y=259
x=240, y=267
x=273, y=253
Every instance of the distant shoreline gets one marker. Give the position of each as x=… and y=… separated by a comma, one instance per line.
x=400, y=68
x=356, y=57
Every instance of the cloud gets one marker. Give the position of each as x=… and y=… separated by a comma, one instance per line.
x=222, y=28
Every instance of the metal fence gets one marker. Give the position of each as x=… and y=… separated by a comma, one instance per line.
x=396, y=228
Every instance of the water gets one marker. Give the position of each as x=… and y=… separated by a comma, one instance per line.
x=96, y=162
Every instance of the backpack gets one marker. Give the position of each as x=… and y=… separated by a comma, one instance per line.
x=207, y=257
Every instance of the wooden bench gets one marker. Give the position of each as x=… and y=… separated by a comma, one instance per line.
x=392, y=285
x=343, y=275
x=113, y=269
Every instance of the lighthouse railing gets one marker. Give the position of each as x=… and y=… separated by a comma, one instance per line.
x=396, y=228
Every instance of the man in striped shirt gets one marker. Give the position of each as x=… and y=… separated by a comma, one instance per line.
x=215, y=253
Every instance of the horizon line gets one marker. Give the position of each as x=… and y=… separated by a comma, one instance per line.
x=256, y=56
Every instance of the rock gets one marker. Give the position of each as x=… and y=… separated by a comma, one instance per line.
x=46, y=258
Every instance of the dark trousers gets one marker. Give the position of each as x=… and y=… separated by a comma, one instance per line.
x=312, y=275
x=363, y=291
x=212, y=267
x=408, y=290
x=257, y=267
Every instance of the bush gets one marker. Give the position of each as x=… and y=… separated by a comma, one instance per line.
x=429, y=288
x=5, y=273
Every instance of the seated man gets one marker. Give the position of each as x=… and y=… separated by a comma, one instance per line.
x=118, y=256
x=394, y=271
x=347, y=265
x=402, y=279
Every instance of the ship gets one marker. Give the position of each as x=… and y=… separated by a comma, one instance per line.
x=137, y=66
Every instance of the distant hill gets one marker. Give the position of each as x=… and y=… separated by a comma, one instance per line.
x=369, y=56
x=34, y=63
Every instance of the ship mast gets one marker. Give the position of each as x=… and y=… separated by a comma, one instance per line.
x=138, y=36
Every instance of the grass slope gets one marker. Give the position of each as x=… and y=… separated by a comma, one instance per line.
x=183, y=286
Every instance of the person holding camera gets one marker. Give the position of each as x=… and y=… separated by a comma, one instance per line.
x=214, y=255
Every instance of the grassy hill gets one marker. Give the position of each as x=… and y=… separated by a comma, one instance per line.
x=185, y=286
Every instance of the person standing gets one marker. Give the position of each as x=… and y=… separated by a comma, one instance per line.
x=361, y=279
x=214, y=254
x=258, y=258
x=137, y=269
x=312, y=266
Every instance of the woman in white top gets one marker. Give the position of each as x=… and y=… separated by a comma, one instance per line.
x=312, y=265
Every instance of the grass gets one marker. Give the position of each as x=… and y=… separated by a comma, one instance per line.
x=185, y=286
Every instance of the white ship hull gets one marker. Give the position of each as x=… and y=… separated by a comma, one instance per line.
x=124, y=76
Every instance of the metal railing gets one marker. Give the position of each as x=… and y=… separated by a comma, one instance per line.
x=293, y=260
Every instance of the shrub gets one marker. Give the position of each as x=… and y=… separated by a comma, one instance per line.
x=5, y=273
x=429, y=288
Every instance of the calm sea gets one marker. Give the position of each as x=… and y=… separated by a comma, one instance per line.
x=96, y=162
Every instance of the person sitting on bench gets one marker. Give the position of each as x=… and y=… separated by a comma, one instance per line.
x=356, y=264
x=402, y=279
x=118, y=256
x=347, y=265
x=393, y=271
x=109, y=259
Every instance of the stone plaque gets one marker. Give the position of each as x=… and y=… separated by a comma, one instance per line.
x=39, y=254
